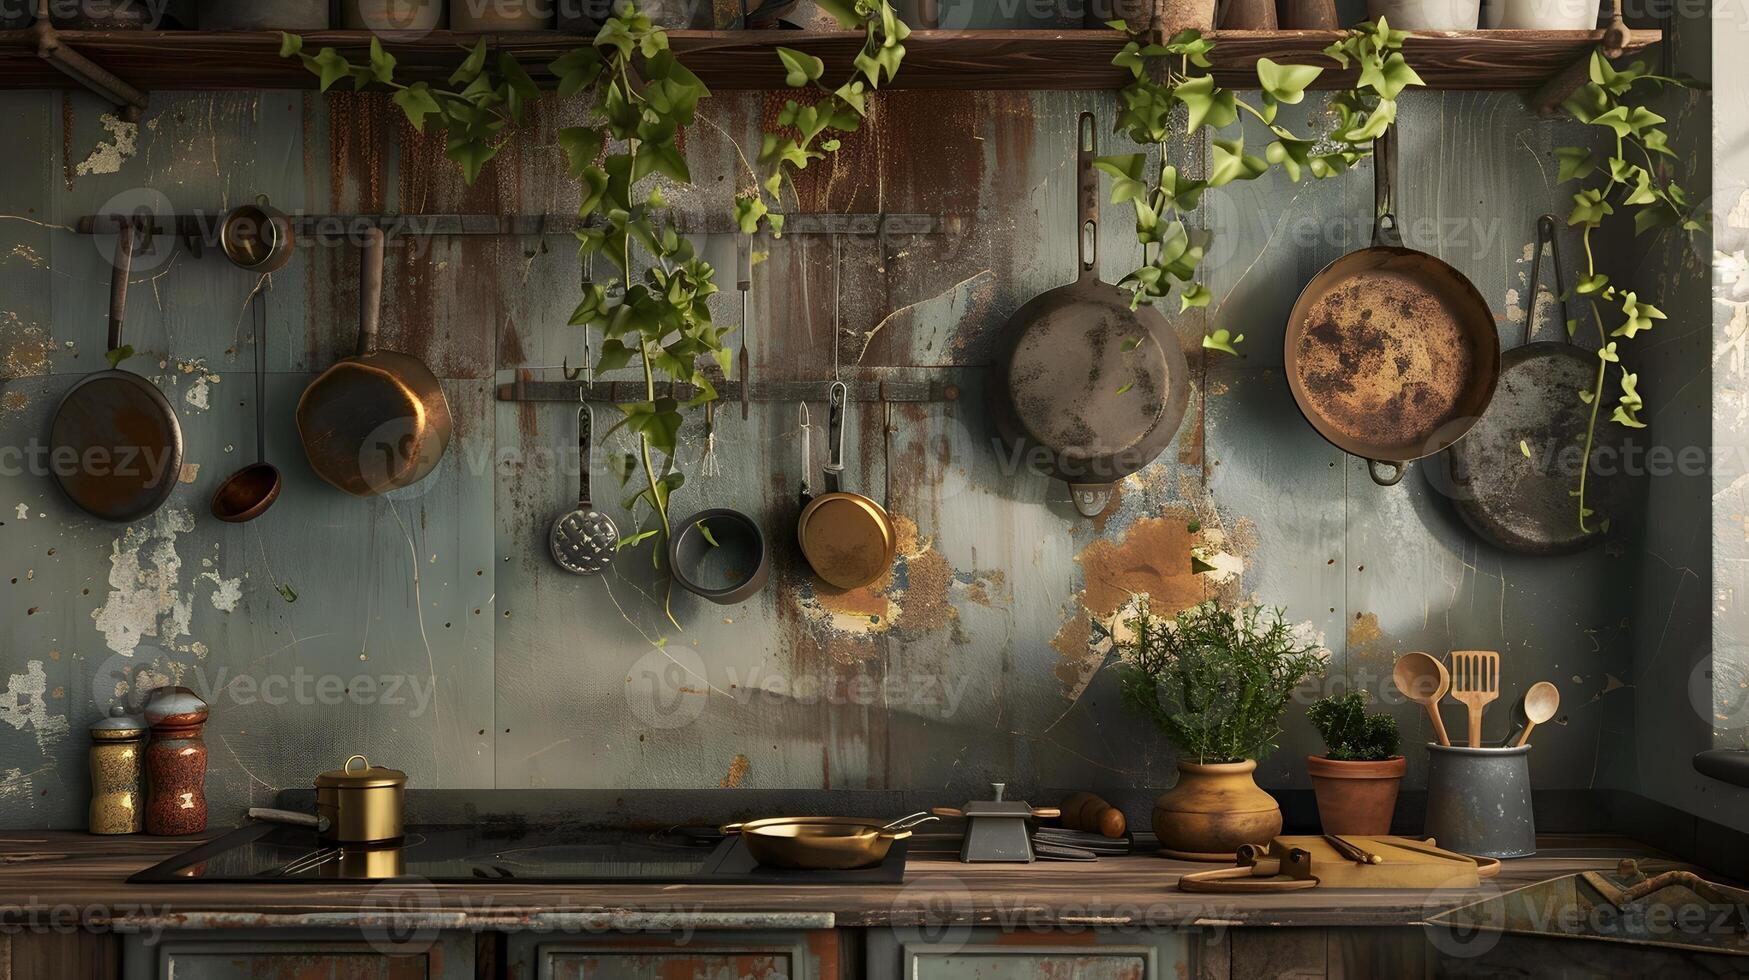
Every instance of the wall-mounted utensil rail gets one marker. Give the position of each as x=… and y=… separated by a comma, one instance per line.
x=204, y=225
x=888, y=390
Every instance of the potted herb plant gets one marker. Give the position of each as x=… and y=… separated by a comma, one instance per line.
x=1356, y=778
x=1216, y=681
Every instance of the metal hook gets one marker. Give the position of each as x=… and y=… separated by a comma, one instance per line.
x=571, y=375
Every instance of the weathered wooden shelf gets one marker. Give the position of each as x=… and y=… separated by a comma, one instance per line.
x=1058, y=60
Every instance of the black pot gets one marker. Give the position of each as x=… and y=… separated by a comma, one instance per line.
x=719, y=554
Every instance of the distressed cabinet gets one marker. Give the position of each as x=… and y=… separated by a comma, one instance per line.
x=951, y=953
x=279, y=955
x=663, y=956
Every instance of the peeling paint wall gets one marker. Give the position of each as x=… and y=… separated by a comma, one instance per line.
x=430, y=629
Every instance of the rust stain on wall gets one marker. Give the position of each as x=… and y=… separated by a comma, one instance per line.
x=738, y=768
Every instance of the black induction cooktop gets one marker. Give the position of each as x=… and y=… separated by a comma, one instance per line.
x=266, y=852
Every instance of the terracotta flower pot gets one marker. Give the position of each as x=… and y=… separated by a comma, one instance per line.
x=1356, y=797
x=1214, y=809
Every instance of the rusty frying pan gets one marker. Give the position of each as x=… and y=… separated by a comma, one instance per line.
x=1391, y=353
x=1514, y=477
x=1087, y=389
x=847, y=538
x=376, y=421
x=116, y=442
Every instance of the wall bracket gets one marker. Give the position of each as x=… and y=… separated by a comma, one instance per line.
x=90, y=75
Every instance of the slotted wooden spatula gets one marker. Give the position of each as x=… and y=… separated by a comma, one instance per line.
x=1475, y=681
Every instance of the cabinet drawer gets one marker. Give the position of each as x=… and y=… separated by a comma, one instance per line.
x=991, y=954
x=308, y=956
x=749, y=956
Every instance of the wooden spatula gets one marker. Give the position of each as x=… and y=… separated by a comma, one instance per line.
x=1475, y=681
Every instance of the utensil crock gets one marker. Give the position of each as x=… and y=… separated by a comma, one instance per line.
x=363, y=804
x=1478, y=800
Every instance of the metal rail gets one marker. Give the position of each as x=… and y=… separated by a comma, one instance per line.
x=911, y=389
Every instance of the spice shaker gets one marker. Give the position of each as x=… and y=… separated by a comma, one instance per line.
x=118, y=791
x=175, y=763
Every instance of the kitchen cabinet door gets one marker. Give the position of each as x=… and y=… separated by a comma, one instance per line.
x=953, y=953
x=308, y=956
x=704, y=956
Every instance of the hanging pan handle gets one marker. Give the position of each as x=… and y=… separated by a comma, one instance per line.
x=585, y=436
x=370, y=290
x=1384, y=192
x=1087, y=197
x=807, y=493
x=840, y=394
x=1546, y=234
x=118, y=281
x=1375, y=468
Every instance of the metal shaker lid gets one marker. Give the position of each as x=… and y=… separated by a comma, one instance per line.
x=119, y=726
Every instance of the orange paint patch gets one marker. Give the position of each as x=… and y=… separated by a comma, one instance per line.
x=1152, y=558
x=738, y=768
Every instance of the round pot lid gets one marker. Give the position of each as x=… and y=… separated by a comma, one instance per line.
x=357, y=773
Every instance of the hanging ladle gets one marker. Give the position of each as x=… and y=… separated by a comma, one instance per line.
x=248, y=492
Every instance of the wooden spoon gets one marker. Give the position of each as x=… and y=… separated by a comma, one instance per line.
x=1539, y=705
x=1425, y=680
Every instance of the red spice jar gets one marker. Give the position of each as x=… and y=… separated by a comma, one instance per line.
x=175, y=763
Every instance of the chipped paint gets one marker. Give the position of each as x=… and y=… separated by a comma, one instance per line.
x=738, y=769
x=227, y=592
x=108, y=157
x=26, y=705
x=145, y=597
x=24, y=347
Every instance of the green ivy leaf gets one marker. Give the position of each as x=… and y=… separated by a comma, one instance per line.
x=1223, y=341
x=330, y=67
x=118, y=355
x=1639, y=317
x=417, y=103
x=1196, y=296
x=582, y=145
x=1576, y=162
x=1286, y=83
x=1589, y=208
x=1230, y=162
x=802, y=68
x=1207, y=105
x=289, y=44
x=470, y=68
x=748, y=211
x=1591, y=285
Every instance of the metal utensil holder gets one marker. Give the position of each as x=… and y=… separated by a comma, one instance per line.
x=1478, y=800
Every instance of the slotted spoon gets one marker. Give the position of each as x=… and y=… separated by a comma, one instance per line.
x=1475, y=681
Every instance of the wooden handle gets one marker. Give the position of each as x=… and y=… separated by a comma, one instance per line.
x=1524, y=736
x=1475, y=725
x=1046, y=812
x=1438, y=722
x=1089, y=813
x=952, y=813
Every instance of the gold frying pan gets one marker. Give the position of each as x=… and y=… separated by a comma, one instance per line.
x=847, y=538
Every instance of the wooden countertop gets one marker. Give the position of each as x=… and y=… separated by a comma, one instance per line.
x=68, y=877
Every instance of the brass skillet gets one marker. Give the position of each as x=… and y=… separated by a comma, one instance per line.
x=847, y=538
x=823, y=843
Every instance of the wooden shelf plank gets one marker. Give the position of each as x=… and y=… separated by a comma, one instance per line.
x=729, y=60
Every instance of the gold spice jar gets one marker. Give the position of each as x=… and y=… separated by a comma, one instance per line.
x=118, y=775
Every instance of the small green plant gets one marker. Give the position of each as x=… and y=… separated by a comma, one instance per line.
x=1165, y=76
x=1349, y=733
x=1215, y=680
x=1632, y=178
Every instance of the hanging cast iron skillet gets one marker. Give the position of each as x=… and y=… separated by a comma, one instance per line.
x=847, y=538
x=1526, y=504
x=117, y=444
x=1068, y=399
x=1391, y=353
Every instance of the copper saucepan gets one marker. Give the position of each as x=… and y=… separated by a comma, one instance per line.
x=823, y=843
x=1392, y=354
x=847, y=538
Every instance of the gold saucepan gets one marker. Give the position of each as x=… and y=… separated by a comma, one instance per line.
x=823, y=843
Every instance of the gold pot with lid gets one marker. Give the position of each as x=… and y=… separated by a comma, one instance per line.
x=362, y=804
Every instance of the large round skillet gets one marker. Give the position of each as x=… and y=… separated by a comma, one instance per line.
x=1391, y=353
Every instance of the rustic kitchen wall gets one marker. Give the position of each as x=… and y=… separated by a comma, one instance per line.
x=430, y=629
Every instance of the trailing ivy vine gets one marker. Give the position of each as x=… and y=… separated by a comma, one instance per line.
x=657, y=319
x=1167, y=76
x=1631, y=177
x=834, y=111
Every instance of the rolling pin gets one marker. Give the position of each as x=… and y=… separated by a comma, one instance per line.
x=1088, y=813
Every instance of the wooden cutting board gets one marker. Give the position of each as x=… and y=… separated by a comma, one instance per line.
x=1407, y=863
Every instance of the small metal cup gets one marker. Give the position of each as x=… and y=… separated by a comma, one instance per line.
x=257, y=237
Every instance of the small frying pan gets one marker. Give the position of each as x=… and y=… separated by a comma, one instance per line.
x=846, y=537
x=117, y=444
x=1526, y=504
x=719, y=554
x=1391, y=354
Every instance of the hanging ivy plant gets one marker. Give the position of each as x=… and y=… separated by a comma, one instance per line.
x=1167, y=76
x=834, y=111
x=1632, y=178
x=658, y=319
